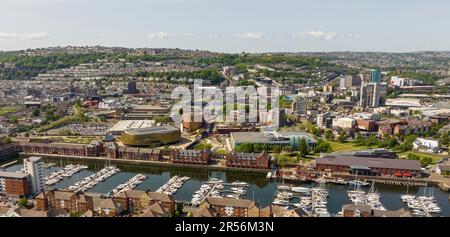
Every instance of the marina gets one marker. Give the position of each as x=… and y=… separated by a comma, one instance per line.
x=129, y=185
x=218, y=188
x=67, y=172
x=173, y=185
x=92, y=180
x=257, y=188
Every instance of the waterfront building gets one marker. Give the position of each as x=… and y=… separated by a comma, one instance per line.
x=133, y=200
x=15, y=184
x=277, y=211
x=135, y=153
x=347, y=163
x=156, y=210
x=70, y=201
x=230, y=207
x=8, y=151
x=192, y=157
x=34, y=168
x=248, y=160
x=356, y=210
x=154, y=136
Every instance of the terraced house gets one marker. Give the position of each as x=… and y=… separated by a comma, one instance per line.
x=70, y=201
x=191, y=157
x=249, y=160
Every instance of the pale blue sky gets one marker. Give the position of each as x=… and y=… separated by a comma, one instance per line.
x=229, y=25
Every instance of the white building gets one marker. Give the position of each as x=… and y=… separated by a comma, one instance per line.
x=34, y=167
x=426, y=145
x=398, y=81
x=344, y=122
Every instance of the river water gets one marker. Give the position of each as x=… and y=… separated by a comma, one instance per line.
x=261, y=190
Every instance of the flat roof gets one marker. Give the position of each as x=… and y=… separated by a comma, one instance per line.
x=250, y=137
x=15, y=175
x=348, y=160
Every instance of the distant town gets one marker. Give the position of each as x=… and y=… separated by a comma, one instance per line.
x=89, y=132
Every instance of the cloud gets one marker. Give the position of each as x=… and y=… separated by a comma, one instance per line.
x=190, y=34
x=159, y=35
x=249, y=35
x=24, y=36
x=321, y=35
x=353, y=36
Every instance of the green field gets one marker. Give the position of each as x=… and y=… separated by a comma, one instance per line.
x=346, y=146
x=434, y=157
x=8, y=109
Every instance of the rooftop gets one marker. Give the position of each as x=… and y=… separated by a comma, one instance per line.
x=348, y=160
x=140, y=131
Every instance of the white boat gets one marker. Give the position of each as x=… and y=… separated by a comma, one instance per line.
x=300, y=189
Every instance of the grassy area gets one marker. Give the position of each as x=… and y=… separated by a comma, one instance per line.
x=286, y=159
x=346, y=146
x=8, y=109
x=434, y=157
x=76, y=117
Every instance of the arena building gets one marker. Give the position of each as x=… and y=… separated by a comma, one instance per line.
x=151, y=137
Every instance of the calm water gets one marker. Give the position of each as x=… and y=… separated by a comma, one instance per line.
x=260, y=190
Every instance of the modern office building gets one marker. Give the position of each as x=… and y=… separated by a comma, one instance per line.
x=34, y=167
x=370, y=95
x=375, y=75
x=300, y=105
x=349, y=81
x=271, y=139
x=154, y=136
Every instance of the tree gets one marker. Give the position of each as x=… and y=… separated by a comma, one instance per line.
x=359, y=139
x=13, y=119
x=329, y=135
x=342, y=137
x=303, y=148
x=23, y=202
x=323, y=147
x=6, y=140
x=36, y=112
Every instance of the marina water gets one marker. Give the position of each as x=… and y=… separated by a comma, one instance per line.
x=261, y=190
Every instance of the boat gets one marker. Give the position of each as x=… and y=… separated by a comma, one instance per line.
x=280, y=202
x=239, y=184
x=358, y=183
x=300, y=189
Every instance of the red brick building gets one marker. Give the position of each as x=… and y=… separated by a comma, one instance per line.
x=14, y=184
x=72, y=202
x=248, y=160
x=193, y=157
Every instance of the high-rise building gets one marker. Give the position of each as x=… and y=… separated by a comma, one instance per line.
x=132, y=87
x=300, y=105
x=370, y=95
x=34, y=167
x=349, y=81
x=375, y=75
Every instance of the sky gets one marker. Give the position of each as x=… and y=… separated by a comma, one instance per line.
x=229, y=25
